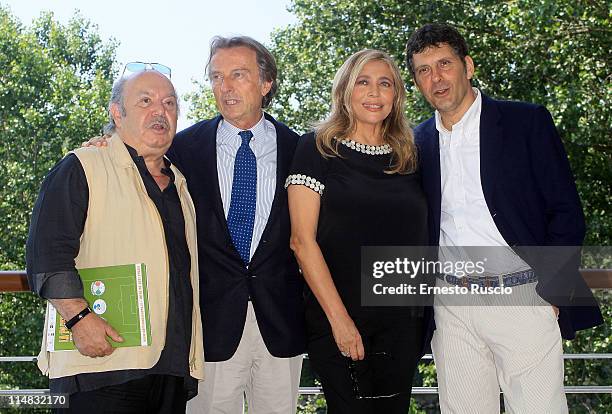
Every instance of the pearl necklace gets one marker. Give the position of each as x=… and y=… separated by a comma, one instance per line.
x=367, y=149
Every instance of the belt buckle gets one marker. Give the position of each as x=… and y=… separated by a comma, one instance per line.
x=464, y=281
x=488, y=281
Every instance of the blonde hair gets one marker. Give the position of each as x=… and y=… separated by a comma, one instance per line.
x=340, y=123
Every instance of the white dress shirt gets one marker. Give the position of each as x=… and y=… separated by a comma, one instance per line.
x=263, y=145
x=465, y=219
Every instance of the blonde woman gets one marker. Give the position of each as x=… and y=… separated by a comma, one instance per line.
x=353, y=183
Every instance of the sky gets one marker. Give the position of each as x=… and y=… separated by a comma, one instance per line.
x=173, y=32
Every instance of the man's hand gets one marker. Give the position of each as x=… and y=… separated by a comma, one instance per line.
x=100, y=141
x=89, y=334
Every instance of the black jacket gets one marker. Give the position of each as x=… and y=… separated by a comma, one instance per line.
x=272, y=280
x=531, y=195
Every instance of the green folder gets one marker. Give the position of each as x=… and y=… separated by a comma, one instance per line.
x=118, y=294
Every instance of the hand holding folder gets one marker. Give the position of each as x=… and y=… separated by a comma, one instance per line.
x=118, y=297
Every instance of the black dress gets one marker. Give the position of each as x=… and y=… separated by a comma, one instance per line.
x=361, y=205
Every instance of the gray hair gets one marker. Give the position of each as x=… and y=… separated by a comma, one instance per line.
x=117, y=98
x=265, y=60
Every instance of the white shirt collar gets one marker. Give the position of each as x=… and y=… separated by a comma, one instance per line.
x=230, y=132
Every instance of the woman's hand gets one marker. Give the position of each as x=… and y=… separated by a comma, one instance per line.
x=348, y=338
x=304, y=206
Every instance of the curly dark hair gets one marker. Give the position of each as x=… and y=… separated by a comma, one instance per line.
x=434, y=34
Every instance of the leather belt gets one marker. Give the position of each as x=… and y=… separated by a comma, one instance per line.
x=509, y=280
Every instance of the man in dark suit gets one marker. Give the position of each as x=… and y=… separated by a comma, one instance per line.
x=251, y=289
x=496, y=174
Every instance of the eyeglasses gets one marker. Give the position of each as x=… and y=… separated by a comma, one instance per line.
x=353, y=373
x=133, y=67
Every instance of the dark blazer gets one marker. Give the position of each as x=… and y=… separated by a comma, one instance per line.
x=531, y=195
x=272, y=280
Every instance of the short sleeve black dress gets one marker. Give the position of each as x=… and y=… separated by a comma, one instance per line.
x=361, y=205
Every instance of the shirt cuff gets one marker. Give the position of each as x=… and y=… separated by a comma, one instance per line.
x=58, y=285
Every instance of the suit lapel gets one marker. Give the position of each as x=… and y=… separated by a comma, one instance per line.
x=431, y=175
x=491, y=145
x=209, y=147
x=283, y=158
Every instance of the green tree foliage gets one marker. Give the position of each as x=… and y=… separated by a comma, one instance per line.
x=591, y=372
x=201, y=102
x=55, y=82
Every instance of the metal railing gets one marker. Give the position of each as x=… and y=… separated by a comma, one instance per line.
x=581, y=389
x=16, y=281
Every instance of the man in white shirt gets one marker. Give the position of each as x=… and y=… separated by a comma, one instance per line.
x=496, y=175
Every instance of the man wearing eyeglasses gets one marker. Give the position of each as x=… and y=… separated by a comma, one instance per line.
x=251, y=297
x=124, y=204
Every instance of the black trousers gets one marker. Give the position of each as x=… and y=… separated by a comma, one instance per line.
x=161, y=394
x=393, y=348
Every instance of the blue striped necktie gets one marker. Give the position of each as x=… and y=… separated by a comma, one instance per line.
x=241, y=215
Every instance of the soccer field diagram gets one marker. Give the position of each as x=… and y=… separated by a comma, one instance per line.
x=116, y=294
x=121, y=302
x=112, y=293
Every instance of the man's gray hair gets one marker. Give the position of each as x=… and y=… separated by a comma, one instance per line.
x=117, y=98
x=265, y=60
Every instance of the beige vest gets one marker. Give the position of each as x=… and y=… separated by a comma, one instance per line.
x=123, y=226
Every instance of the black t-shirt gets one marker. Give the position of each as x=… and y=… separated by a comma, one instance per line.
x=361, y=205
